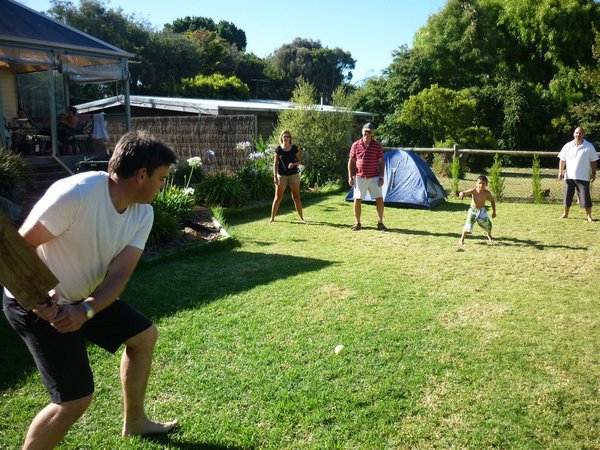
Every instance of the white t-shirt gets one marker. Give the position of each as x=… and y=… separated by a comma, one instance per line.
x=578, y=159
x=89, y=231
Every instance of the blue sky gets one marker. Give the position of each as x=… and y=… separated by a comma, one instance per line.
x=370, y=29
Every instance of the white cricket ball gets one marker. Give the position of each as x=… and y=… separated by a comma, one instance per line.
x=338, y=349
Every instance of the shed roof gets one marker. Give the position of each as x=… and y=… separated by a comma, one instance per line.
x=203, y=106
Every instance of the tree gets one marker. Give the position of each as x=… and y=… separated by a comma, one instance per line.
x=558, y=31
x=214, y=86
x=307, y=59
x=165, y=60
x=189, y=23
x=441, y=112
x=373, y=96
x=111, y=25
x=232, y=34
x=461, y=44
x=214, y=51
x=409, y=73
x=225, y=30
x=252, y=70
x=587, y=111
x=323, y=138
x=522, y=61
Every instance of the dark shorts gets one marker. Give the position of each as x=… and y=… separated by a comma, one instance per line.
x=61, y=358
x=583, y=190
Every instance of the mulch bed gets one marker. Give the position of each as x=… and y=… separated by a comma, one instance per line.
x=200, y=228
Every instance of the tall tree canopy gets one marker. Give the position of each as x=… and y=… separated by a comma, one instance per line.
x=226, y=30
x=525, y=62
x=306, y=59
x=163, y=62
x=198, y=46
x=109, y=24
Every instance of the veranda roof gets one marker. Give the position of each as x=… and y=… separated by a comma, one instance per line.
x=31, y=42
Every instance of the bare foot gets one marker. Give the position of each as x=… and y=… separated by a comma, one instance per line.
x=564, y=216
x=271, y=220
x=148, y=427
x=590, y=220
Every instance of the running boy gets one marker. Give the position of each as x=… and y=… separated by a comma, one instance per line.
x=477, y=213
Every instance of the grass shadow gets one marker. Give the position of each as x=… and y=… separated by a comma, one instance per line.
x=506, y=241
x=191, y=280
x=239, y=216
x=451, y=206
x=15, y=360
x=186, y=279
x=166, y=441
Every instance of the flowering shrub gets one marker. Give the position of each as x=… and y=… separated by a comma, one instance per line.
x=172, y=206
x=257, y=174
x=174, y=203
x=244, y=146
x=188, y=173
x=195, y=162
x=262, y=158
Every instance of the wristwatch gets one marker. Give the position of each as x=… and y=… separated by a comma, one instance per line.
x=89, y=311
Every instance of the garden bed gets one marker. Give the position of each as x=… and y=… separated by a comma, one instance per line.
x=200, y=228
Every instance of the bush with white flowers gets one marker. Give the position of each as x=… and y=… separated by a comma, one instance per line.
x=244, y=146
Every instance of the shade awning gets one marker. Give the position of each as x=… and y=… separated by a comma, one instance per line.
x=31, y=42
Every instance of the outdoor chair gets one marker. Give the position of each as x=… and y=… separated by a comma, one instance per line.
x=81, y=142
x=31, y=141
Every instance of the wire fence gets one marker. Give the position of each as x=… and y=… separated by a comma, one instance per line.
x=516, y=172
x=219, y=136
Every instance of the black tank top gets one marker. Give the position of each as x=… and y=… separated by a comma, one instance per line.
x=285, y=158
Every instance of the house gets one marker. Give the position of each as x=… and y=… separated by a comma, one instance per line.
x=265, y=111
x=40, y=57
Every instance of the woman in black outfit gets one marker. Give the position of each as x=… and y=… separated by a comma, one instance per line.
x=285, y=172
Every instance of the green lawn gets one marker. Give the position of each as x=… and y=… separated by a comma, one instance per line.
x=495, y=346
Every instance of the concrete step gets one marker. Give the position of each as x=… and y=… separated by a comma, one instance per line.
x=44, y=172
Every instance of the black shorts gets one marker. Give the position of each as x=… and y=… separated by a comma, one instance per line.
x=583, y=190
x=61, y=358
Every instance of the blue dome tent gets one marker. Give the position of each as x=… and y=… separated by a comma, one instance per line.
x=409, y=182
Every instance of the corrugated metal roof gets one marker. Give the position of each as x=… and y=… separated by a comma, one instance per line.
x=202, y=106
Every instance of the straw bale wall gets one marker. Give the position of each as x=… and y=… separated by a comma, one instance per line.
x=194, y=135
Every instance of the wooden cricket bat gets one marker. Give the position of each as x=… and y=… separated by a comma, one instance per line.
x=22, y=271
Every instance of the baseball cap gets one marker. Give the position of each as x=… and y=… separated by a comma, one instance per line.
x=368, y=126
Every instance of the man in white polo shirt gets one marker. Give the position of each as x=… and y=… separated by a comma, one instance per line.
x=578, y=167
